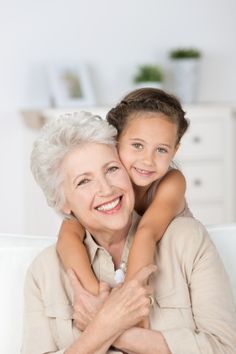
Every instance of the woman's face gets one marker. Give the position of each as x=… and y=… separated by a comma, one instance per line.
x=97, y=188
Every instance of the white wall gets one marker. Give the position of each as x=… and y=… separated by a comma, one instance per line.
x=23, y=208
x=113, y=37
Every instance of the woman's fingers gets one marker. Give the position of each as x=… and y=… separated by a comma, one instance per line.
x=143, y=274
x=104, y=287
x=129, y=303
x=79, y=321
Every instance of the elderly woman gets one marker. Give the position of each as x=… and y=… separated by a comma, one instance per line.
x=191, y=311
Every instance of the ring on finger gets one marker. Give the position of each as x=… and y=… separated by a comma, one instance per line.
x=151, y=299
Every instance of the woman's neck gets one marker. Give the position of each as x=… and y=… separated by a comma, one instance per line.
x=112, y=241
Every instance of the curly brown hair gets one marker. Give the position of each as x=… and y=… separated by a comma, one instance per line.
x=148, y=100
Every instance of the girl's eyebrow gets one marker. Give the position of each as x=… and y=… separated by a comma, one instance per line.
x=138, y=139
x=144, y=141
x=163, y=144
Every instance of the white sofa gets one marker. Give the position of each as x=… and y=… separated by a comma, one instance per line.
x=17, y=251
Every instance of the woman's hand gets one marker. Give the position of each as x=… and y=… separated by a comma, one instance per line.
x=85, y=304
x=127, y=304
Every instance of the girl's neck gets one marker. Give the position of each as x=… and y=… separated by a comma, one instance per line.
x=140, y=193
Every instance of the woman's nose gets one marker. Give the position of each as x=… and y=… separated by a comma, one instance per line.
x=104, y=187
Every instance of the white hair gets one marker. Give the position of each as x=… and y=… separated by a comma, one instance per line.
x=59, y=137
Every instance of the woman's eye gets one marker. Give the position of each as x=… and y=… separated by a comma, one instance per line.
x=112, y=169
x=82, y=182
x=137, y=146
x=162, y=150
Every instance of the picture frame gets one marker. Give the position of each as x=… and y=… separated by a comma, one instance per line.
x=70, y=86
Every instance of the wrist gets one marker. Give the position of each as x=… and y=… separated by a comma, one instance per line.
x=140, y=340
x=109, y=328
x=124, y=340
x=95, y=339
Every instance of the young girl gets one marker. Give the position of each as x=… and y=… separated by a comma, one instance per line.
x=150, y=125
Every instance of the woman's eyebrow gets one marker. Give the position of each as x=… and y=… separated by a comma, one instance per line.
x=111, y=162
x=86, y=174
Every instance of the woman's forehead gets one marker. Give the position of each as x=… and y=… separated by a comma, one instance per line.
x=90, y=156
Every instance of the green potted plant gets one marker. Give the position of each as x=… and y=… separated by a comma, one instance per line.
x=185, y=53
x=185, y=64
x=149, y=75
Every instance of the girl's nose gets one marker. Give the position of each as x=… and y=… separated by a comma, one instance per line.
x=148, y=157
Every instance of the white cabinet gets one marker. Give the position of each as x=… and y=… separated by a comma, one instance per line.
x=207, y=157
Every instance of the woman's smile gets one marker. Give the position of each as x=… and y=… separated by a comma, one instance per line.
x=110, y=207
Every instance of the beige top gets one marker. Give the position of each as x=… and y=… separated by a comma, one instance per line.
x=193, y=303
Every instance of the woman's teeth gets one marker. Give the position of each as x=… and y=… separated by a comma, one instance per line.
x=109, y=206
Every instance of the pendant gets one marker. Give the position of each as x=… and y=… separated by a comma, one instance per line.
x=119, y=276
x=120, y=273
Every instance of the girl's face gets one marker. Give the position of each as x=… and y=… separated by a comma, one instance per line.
x=146, y=147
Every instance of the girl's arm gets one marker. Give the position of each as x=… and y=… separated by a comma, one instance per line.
x=167, y=203
x=73, y=254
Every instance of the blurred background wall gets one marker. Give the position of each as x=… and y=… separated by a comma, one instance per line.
x=113, y=38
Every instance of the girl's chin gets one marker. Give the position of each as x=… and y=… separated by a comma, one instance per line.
x=143, y=184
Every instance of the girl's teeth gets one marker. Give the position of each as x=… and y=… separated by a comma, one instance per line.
x=142, y=171
x=109, y=206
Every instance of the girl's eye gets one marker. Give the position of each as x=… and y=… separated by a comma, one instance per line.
x=162, y=150
x=137, y=146
x=112, y=169
x=83, y=181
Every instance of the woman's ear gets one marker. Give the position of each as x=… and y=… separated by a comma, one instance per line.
x=66, y=209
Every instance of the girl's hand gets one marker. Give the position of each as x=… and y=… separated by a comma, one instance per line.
x=85, y=304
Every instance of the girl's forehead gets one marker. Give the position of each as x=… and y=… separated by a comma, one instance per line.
x=151, y=128
x=147, y=115
x=143, y=118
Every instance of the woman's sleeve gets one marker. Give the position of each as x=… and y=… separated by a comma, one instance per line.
x=38, y=331
x=213, y=308
x=37, y=334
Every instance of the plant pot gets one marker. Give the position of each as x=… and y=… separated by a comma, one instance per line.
x=153, y=84
x=186, y=79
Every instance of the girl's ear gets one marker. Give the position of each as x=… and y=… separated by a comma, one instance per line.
x=177, y=147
